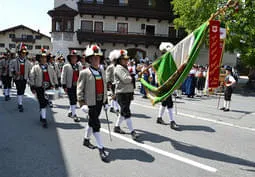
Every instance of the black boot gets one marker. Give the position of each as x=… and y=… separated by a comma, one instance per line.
x=173, y=125
x=44, y=123
x=20, y=107
x=69, y=114
x=6, y=98
x=103, y=155
x=160, y=121
x=226, y=110
x=223, y=108
x=88, y=144
x=112, y=110
x=76, y=119
x=134, y=135
x=117, y=129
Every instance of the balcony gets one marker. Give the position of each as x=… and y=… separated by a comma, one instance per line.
x=124, y=38
x=125, y=10
x=30, y=40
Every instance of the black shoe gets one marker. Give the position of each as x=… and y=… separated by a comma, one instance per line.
x=50, y=104
x=118, y=130
x=88, y=144
x=226, y=110
x=76, y=119
x=9, y=98
x=69, y=114
x=144, y=96
x=6, y=98
x=20, y=107
x=222, y=108
x=134, y=135
x=173, y=125
x=112, y=110
x=103, y=155
x=160, y=121
x=44, y=123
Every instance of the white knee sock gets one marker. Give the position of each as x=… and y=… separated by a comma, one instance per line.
x=98, y=140
x=119, y=121
x=6, y=92
x=116, y=105
x=161, y=111
x=225, y=104
x=112, y=104
x=43, y=113
x=170, y=113
x=20, y=99
x=73, y=110
x=88, y=132
x=129, y=124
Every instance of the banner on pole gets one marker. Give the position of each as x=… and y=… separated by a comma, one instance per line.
x=215, y=53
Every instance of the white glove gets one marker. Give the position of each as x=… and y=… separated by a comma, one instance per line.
x=106, y=107
x=85, y=108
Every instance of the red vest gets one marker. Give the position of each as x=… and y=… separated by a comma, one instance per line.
x=22, y=68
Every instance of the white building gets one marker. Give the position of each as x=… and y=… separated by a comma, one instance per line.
x=34, y=40
x=138, y=26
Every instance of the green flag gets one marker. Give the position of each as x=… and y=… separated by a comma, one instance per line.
x=173, y=67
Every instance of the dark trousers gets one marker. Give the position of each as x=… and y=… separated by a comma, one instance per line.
x=72, y=95
x=168, y=102
x=228, y=93
x=7, y=82
x=43, y=101
x=133, y=80
x=20, y=86
x=94, y=112
x=124, y=100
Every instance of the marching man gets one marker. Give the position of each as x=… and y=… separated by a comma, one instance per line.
x=114, y=107
x=69, y=78
x=83, y=63
x=42, y=78
x=20, y=70
x=168, y=103
x=92, y=96
x=124, y=92
x=5, y=74
x=229, y=83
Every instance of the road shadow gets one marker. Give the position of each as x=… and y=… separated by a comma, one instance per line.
x=130, y=154
x=193, y=149
x=196, y=128
x=137, y=115
x=27, y=149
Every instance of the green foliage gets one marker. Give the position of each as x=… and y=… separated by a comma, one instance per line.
x=241, y=24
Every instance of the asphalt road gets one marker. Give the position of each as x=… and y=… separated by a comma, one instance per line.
x=210, y=142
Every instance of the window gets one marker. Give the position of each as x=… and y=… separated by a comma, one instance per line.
x=38, y=37
x=152, y=3
x=123, y=2
x=11, y=35
x=98, y=27
x=58, y=25
x=172, y=32
x=12, y=46
x=150, y=30
x=29, y=47
x=23, y=36
x=46, y=47
x=182, y=33
x=122, y=27
x=38, y=47
x=30, y=37
x=89, y=1
x=68, y=26
x=87, y=25
x=100, y=1
x=2, y=45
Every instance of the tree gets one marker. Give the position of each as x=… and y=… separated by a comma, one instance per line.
x=240, y=23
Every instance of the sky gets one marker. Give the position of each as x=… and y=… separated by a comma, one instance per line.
x=31, y=13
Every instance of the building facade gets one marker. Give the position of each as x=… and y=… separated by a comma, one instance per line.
x=138, y=26
x=34, y=40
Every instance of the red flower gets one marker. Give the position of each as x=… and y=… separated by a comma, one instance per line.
x=94, y=48
x=122, y=52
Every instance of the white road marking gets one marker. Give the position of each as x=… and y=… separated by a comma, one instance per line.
x=164, y=153
x=202, y=118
